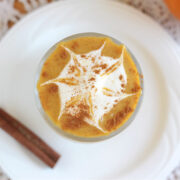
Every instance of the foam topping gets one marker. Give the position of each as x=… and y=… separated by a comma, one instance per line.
x=91, y=83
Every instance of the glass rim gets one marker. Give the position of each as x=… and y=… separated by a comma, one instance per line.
x=58, y=129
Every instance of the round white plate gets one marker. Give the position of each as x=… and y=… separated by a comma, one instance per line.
x=147, y=149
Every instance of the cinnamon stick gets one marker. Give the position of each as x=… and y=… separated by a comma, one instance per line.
x=27, y=138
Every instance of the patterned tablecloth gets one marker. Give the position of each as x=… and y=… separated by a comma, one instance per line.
x=12, y=11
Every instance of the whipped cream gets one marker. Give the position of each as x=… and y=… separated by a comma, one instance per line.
x=96, y=80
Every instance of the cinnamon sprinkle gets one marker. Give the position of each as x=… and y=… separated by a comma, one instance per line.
x=63, y=54
x=117, y=119
x=83, y=55
x=122, y=85
x=121, y=77
x=112, y=68
x=131, y=70
x=45, y=74
x=92, y=79
x=97, y=71
x=53, y=88
x=136, y=88
x=71, y=69
x=103, y=66
x=75, y=45
x=76, y=120
x=69, y=81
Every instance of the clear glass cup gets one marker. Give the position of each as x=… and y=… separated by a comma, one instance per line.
x=52, y=124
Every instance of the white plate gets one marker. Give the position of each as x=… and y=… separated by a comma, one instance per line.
x=147, y=149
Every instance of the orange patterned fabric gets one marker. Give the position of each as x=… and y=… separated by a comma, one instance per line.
x=174, y=7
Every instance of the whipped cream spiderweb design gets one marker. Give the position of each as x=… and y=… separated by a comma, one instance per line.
x=92, y=79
